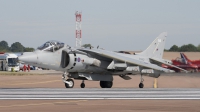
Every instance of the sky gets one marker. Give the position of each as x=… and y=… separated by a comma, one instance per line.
x=111, y=24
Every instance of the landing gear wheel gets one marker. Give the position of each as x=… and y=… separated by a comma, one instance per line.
x=102, y=84
x=106, y=84
x=141, y=85
x=109, y=84
x=82, y=85
x=70, y=83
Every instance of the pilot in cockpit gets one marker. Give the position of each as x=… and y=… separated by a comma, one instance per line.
x=47, y=44
x=51, y=46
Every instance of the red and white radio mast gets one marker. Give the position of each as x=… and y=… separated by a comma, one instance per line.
x=78, y=28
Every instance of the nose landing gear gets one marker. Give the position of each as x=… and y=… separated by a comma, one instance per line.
x=69, y=83
x=82, y=84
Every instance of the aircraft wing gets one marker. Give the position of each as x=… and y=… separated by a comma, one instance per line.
x=114, y=56
x=158, y=61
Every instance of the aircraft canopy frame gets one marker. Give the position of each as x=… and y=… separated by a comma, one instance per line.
x=51, y=46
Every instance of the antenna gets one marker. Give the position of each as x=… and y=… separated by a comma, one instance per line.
x=78, y=28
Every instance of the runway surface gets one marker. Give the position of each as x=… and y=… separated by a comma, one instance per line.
x=98, y=93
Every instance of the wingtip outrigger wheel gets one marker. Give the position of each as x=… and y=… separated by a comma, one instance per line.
x=141, y=85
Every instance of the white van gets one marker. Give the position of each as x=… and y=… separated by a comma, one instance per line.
x=8, y=61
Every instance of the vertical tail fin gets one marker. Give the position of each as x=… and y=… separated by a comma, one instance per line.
x=185, y=58
x=156, y=48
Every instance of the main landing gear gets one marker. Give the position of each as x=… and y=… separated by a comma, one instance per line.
x=103, y=84
x=106, y=84
x=69, y=83
x=141, y=85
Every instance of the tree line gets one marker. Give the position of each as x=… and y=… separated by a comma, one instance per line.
x=15, y=47
x=185, y=48
x=18, y=47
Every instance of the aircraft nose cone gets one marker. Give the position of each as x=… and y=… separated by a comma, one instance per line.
x=29, y=57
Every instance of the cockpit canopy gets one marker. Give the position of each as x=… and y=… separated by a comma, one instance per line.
x=51, y=46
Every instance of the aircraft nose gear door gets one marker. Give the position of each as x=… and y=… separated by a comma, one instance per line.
x=69, y=83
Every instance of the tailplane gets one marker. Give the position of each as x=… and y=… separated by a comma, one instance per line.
x=156, y=48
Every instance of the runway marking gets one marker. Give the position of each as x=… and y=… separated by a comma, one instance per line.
x=101, y=94
x=110, y=98
x=31, y=82
x=39, y=104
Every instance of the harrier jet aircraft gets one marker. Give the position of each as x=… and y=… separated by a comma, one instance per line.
x=98, y=64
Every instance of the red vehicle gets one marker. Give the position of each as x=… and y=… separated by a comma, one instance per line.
x=184, y=63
